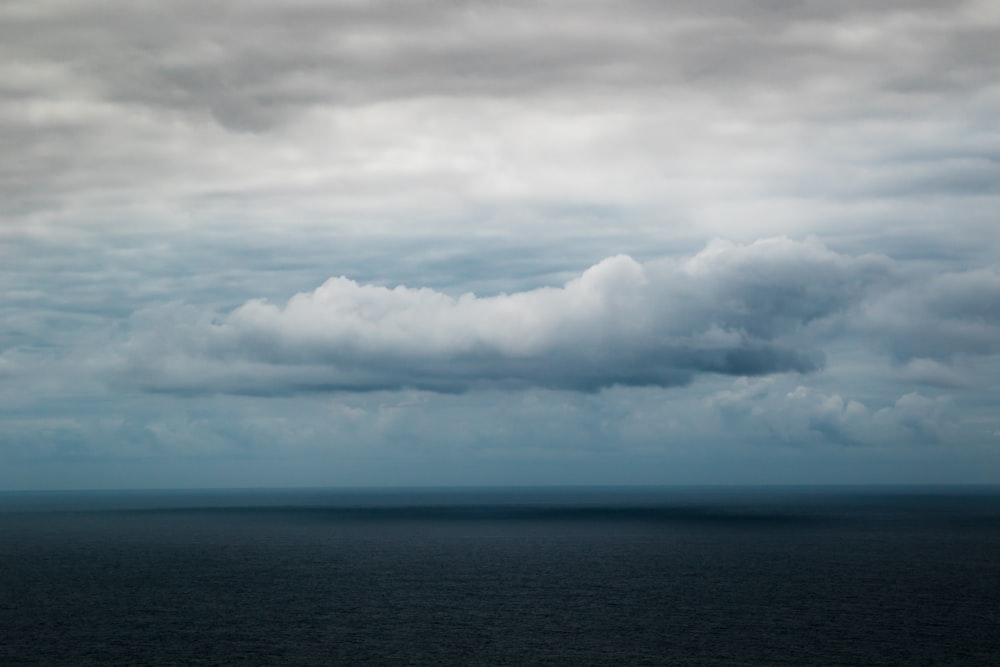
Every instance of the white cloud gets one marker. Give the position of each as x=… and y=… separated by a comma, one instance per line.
x=730, y=309
x=763, y=409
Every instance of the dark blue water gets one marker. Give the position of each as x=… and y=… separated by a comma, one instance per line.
x=508, y=577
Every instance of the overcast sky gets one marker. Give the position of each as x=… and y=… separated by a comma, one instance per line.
x=458, y=243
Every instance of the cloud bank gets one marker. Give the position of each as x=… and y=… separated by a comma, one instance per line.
x=730, y=309
x=184, y=169
x=808, y=116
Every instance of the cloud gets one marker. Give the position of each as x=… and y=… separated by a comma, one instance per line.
x=192, y=115
x=730, y=309
x=800, y=416
x=183, y=169
x=804, y=415
x=935, y=373
x=916, y=418
x=940, y=318
x=250, y=66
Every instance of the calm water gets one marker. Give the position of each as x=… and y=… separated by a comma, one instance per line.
x=576, y=577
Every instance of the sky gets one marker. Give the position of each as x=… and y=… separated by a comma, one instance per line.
x=422, y=243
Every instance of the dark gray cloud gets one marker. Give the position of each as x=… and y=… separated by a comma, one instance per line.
x=730, y=309
x=249, y=65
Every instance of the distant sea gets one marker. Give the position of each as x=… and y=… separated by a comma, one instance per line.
x=694, y=576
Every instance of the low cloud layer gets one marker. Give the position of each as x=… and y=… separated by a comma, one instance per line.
x=730, y=309
x=802, y=416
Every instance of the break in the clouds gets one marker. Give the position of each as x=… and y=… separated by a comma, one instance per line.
x=730, y=309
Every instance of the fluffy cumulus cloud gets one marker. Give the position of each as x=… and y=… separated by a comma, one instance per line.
x=730, y=309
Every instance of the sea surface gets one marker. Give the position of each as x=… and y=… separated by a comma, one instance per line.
x=693, y=576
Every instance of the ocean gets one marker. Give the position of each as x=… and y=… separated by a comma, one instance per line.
x=600, y=576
